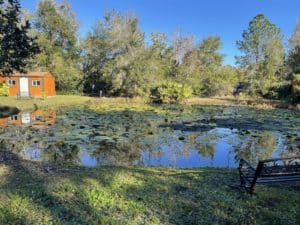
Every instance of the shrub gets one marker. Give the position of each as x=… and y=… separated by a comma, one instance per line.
x=4, y=89
x=44, y=95
x=296, y=94
x=171, y=92
x=296, y=88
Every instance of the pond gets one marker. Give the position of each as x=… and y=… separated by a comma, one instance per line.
x=176, y=136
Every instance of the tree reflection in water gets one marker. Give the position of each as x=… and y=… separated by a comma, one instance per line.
x=292, y=146
x=61, y=152
x=199, y=136
x=206, y=150
x=117, y=153
x=256, y=147
x=205, y=144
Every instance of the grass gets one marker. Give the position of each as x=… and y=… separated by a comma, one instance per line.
x=136, y=195
x=52, y=102
x=72, y=100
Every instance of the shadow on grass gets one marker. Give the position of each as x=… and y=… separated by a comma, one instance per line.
x=30, y=180
x=137, y=195
x=164, y=195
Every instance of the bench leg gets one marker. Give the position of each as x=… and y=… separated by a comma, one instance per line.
x=257, y=172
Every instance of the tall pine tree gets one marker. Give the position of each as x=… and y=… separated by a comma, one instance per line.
x=262, y=55
x=16, y=46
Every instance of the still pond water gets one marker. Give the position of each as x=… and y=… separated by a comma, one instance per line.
x=185, y=136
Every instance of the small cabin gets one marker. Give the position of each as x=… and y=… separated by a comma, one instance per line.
x=31, y=84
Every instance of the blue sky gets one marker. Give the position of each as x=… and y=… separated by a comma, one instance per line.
x=226, y=18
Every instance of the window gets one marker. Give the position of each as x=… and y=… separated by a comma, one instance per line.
x=36, y=83
x=11, y=82
x=14, y=118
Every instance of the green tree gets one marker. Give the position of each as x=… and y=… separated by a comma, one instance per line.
x=120, y=65
x=209, y=51
x=197, y=65
x=211, y=61
x=127, y=46
x=294, y=63
x=119, y=62
x=262, y=54
x=95, y=56
x=294, y=51
x=184, y=59
x=16, y=46
x=159, y=60
x=56, y=28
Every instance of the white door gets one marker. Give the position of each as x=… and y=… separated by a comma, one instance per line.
x=25, y=117
x=24, y=89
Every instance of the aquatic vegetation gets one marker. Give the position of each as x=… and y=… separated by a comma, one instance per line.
x=170, y=135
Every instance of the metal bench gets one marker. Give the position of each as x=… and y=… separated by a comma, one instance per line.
x=269, y=171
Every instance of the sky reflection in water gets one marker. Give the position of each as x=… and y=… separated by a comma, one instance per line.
x=127, y=138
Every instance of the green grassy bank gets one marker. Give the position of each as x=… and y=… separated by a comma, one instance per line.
x=32, y=193
x=72, y=100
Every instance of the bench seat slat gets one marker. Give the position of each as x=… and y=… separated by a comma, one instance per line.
x=279, y=174
x=277, y=180
x=281, y=167
x=273, y=179
x=281, y=159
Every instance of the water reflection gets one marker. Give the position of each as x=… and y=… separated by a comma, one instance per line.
x=206, y=150
x=201, y=148
x=61, y=152
x=130, y=138
x=37, y=119
x=254, y=147
x=20, y=132
x=114, y=153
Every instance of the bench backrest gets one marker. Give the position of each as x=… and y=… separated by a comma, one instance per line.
x=269, y=171
x=279, y=167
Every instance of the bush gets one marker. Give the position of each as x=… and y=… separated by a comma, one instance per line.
x=4, y=89
x=296, y=88
x=296, y=94
x=171, y=92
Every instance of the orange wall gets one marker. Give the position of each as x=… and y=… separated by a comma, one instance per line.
x=13, y=90
x=36, y=90
x=15, y=122
x=48, y=117
x=49, y=85
x=6, y=121
x=3, y=122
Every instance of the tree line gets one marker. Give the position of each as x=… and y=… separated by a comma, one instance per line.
x=114, y=59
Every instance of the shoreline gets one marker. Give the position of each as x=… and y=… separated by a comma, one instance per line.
x=74, y=100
